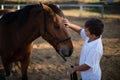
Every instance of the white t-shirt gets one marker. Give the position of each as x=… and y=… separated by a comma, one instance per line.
x=91, y=54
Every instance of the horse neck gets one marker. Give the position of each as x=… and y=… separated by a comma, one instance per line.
x=31, y=34
x=34, y=28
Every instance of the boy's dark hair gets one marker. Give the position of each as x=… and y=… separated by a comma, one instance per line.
x=95, y=26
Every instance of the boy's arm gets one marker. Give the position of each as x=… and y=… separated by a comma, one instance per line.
x=83, y=67
x=72, y=26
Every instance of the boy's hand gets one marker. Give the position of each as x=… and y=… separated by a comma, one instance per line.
x=66, y=22
x=74, y=69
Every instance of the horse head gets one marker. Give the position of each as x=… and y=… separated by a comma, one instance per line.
x=55, y=32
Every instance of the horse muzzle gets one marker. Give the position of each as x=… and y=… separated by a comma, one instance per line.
x=66, y=52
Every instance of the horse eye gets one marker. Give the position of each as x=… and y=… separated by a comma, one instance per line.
x=57, y=26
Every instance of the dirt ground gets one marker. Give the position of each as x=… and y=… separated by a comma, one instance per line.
x=46, y=64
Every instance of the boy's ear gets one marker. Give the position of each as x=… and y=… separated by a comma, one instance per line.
x=94, y=35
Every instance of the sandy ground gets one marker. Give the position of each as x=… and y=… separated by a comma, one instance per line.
x=46, y=64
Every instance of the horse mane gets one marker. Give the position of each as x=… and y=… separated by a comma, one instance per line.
x=21, y=16
x=56, y=9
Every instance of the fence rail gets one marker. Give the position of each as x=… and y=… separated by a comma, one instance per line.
x=80, y=6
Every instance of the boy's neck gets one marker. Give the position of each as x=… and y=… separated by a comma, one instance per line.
x=92, y=38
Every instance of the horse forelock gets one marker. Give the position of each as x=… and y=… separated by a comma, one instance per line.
x=21, y=16
x=56, y=9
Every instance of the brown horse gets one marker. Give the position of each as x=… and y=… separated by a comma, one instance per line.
x=18, y=29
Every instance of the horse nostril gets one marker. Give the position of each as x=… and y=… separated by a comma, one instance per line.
x=66, y=52
x=63, y=51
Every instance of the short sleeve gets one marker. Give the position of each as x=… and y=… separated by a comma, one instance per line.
x=83, y=34
x=93, y=58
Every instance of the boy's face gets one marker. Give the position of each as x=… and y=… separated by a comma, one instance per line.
x=87, y=32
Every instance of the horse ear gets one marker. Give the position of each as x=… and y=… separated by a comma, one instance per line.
x=40, y=4
x=40, y=7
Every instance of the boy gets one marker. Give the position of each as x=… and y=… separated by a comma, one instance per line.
x=92, y=49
